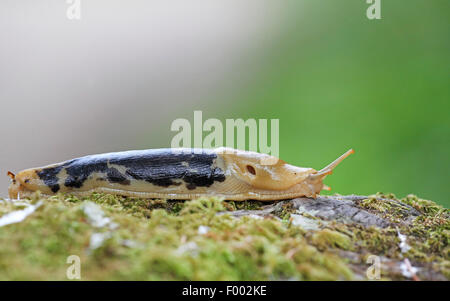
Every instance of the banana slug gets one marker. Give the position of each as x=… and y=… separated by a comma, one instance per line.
x=183, y=174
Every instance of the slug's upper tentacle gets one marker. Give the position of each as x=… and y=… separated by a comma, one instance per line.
x=328, y=170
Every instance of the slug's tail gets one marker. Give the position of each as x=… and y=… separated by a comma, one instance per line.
x=328, y=170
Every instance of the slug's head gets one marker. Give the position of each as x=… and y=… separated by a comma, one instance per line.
x=23, y=184
x=263, y=171
x=270, y=177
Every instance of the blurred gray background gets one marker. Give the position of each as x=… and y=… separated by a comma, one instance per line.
x=115, y=79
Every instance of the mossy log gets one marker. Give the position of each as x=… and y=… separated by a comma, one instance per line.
x=356, y=213
x=328, y=238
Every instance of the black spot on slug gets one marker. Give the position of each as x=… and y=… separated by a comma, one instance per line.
x=80, y=169
x=114, y=176
x=49, y=176
x=190, y=186
x=54, y=188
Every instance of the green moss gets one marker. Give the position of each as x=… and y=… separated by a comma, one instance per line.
x=424, y=206
x=387, y=207
x=161, y=240
x=166, y=243
x=377, y=241
x=373, y=203
x=328, y=238
x=245, y=205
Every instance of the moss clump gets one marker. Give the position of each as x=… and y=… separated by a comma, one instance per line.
x=245, y=205
x=328, y=238
x=376, y=240
x=174, y=240
x=424, y=206
x=387, y=207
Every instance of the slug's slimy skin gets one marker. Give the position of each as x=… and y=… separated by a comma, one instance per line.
x=175, y=174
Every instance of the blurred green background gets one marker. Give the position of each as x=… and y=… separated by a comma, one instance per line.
x=337, y=80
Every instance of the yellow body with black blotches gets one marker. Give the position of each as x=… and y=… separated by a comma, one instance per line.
x=176, y=174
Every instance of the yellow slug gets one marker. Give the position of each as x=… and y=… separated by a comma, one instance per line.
x=176, y=174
